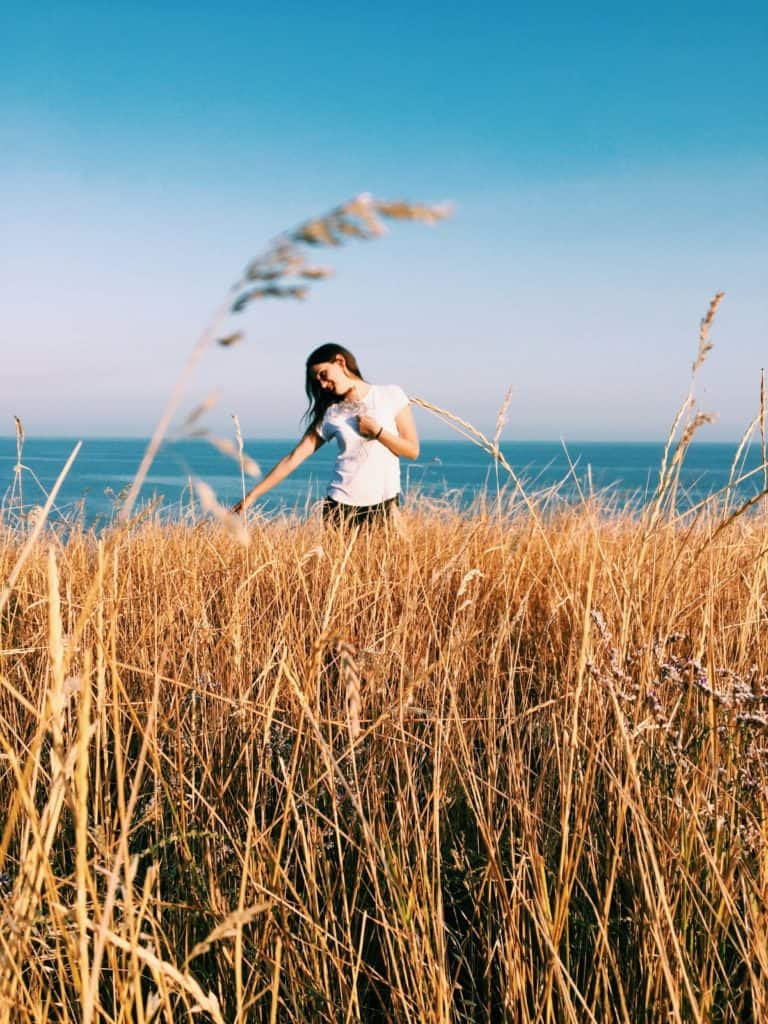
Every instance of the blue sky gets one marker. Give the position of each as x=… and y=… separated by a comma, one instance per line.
x=608, y=165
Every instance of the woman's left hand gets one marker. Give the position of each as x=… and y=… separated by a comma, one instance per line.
x=367, y=426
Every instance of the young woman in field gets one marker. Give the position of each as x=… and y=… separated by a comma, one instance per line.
x=372, y=425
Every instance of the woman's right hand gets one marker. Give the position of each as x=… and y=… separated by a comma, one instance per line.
x=309, y=443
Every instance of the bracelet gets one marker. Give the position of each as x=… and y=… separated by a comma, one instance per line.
x=381, y=431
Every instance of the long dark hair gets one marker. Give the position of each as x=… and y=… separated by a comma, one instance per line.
x=320, y=400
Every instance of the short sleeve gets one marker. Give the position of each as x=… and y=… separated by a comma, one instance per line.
x=321, y=430
x=398, y=399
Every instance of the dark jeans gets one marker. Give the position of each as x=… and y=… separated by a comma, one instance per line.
x=337, y=514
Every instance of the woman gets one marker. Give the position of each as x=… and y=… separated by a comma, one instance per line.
x=373, y=427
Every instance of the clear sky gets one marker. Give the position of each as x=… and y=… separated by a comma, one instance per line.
x=608, y=163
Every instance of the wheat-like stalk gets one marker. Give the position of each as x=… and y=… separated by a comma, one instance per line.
x=232, y=523
x=284, y=263
x=705, y=345
x=16, y=485
x=247, y=465
x=190, y=423
x=736, y=474
x=501, y=417
x=669, y=470
x=36, y=531
x=234, y=450
x=350, y=675
x=21, y=909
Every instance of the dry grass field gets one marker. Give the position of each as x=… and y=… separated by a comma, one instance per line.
x=509, y=765
x=487, y=767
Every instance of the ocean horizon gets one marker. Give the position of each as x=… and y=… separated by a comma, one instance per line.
x=450, y=471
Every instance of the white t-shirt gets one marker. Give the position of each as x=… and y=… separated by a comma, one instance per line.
x=366, y=472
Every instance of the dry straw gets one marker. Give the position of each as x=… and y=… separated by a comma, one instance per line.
x=16, y=486
x=548, y=805
x=691, y=421
x=232, y=523
x=350, y=675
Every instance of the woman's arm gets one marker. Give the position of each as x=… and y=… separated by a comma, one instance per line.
x=306, y=447
x=404, y=443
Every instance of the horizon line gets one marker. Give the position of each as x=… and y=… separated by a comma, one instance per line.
x=291, y=439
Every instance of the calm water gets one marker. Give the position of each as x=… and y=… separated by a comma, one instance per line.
x=452, y=470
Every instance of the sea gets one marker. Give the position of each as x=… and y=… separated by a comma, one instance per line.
x=447, y=474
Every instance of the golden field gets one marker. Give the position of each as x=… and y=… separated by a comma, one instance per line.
x=499, y=766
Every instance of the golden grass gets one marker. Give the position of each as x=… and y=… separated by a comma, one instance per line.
x=496, y=768
x=504, y=766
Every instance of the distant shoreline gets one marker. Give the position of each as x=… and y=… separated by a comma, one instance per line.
x=291, y=439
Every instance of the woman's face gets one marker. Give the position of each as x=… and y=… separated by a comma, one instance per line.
x=333, y=376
